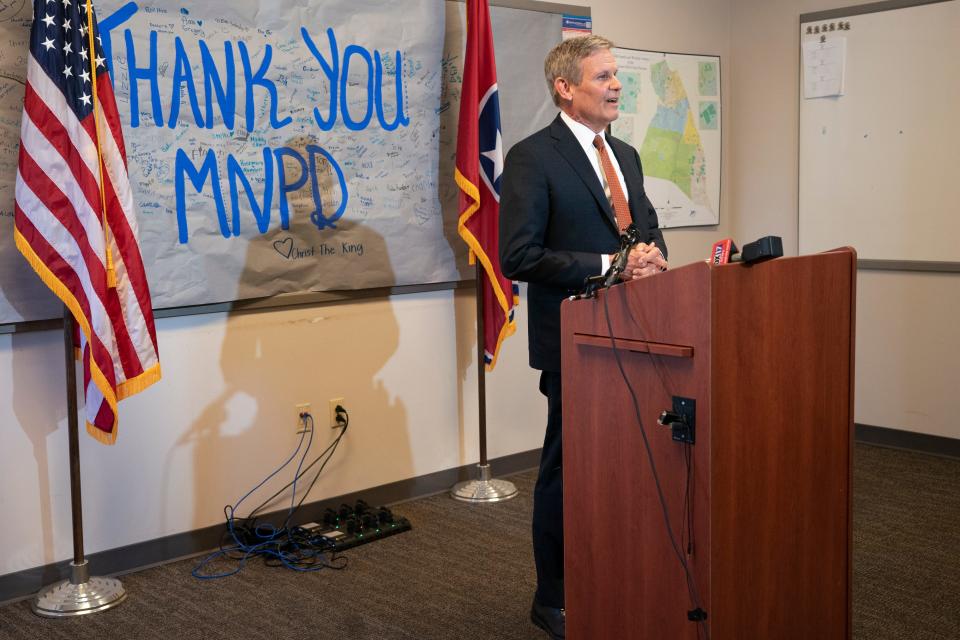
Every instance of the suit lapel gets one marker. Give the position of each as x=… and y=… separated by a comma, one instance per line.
x=570, y=150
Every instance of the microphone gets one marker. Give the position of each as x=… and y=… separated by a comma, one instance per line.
x=628, y=240
x=763, y=249
x=723, y=251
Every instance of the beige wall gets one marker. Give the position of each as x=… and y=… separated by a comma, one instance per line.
x=683, y=26
x=223, y=415
x=908, y=346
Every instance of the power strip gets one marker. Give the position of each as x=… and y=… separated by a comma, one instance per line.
x=351, y=526
x=339, y=539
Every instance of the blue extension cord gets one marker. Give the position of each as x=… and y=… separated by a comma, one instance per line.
x=269, y=536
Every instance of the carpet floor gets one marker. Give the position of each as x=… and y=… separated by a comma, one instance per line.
x=465, y=572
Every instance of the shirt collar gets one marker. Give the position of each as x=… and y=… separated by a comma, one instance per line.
x=582, y=132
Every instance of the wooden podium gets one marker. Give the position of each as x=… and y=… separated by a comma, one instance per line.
x=766, y=354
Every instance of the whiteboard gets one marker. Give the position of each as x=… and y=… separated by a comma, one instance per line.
x=878, y=163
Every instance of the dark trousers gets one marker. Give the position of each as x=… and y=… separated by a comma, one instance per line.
x=548, y=499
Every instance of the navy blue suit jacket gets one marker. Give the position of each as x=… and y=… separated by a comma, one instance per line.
x=555, y=222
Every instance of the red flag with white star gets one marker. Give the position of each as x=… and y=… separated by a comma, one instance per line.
x=478, y=171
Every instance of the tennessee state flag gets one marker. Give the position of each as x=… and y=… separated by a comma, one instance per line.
x=478, y=171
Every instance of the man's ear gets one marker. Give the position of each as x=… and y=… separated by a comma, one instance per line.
x=563, y=88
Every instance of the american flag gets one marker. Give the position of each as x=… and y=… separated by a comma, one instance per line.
x=75, y=220
x=478, y=169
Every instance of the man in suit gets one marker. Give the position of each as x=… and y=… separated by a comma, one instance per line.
x=567, y=192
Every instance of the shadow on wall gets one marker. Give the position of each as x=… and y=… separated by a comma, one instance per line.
x=39, y=404
x=38, y=384
x=465, y=319
x=272, y=361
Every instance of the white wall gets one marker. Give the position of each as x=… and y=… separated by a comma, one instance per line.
x=223, y=416
x=908, y=347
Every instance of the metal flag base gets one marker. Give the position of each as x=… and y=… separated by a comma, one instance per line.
x=79, y=595
x=484, y=489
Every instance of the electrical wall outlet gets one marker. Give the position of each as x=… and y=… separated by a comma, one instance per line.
x=302, y=408
x=333, y=411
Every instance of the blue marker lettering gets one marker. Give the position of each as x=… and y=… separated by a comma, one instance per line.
x=258, y=78
x=183, y=73
x=317, y=217
x=287, y=187
x=348, y=121
x=226, y=97
x=400, y=119
x=110, y=23
x=331, y=70
x=143, y=73
x=183, y=166
x=261, y=215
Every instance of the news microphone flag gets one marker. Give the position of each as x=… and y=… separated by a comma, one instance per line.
x=74, y=216
x=723, y=251
x=479, y=167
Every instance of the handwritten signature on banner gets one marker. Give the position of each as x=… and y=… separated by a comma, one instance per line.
x=221, y=88
x=292, y=251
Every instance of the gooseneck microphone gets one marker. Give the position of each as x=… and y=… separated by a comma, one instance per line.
x=628, y=240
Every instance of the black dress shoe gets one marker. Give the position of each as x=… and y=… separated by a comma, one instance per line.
x=550, y=619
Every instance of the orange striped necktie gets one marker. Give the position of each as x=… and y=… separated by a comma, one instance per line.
x=620, y=207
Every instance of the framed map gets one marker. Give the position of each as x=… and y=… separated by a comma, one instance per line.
x=670, y=113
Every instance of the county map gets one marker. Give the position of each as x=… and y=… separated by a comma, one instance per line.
x=670, y=112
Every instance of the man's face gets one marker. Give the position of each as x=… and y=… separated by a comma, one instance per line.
x=596, y=100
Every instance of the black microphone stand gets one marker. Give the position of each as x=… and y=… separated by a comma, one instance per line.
x=628, y=240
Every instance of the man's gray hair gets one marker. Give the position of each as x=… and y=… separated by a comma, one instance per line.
x=564, y=60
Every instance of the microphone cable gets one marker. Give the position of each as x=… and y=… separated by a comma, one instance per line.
x=691, y=582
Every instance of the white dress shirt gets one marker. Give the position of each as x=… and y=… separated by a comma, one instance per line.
x=585, y=137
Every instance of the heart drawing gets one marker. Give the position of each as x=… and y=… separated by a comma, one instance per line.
x=284, y=247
